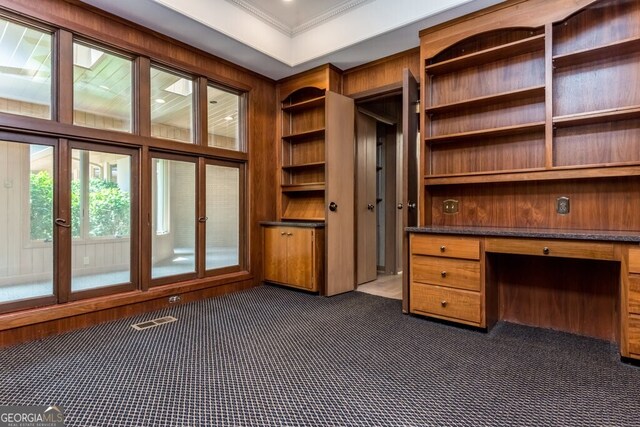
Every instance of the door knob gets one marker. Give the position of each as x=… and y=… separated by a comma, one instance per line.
x=62, y=223
x=333, y=206
x=370, y=207
x=411, y=205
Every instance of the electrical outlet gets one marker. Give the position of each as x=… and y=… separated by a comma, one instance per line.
x=85, y=260
x=450, y=206
x=563, y=207
x=174, y=299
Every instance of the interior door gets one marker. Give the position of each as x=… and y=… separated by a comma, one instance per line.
x=340, y=192
x=410, y=178
x=366, y=235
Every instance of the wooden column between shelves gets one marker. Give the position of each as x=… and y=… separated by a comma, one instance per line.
x=548, y=99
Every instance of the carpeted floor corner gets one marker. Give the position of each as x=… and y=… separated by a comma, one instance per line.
x=275, y=357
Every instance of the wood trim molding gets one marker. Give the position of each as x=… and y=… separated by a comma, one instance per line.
x=60, y=311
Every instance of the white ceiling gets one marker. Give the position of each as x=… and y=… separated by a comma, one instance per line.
x=277, y=38
x=295, y=16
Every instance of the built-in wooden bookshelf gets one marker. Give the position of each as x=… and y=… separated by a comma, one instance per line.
x=526, y=106
x=315, y=170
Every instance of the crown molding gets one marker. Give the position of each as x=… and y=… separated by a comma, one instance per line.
x=284, y=28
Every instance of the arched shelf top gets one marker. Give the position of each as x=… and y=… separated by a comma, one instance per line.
x=504, y=16
x=302, y=94
x=487, y=41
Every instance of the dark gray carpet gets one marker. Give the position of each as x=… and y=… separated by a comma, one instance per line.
x=271, y=356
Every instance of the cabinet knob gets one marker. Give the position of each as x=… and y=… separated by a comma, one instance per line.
x=545, y=250
x=443, y=273
x=443, y=303
x=283, y=233
x=443, y=248
x=333, y=206
x=289, y=234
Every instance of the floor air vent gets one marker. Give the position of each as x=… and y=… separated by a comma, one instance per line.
x=153, y=323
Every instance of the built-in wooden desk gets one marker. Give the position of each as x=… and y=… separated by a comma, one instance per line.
x=584, y=282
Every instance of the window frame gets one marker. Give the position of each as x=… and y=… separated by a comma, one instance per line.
x=53, y=89
x=134, y=240
x=242, y=117
x=134, y=119
x=21, y=304
x=194, y=125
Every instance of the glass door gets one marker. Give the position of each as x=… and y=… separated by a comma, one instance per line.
x=173, y=218
x=103, y=193
x=27, y=234
x=223, y=216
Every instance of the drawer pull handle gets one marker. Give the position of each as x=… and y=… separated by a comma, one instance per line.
x=443, y=273
x=545, y=250
x=443, y=303
x=443, y=248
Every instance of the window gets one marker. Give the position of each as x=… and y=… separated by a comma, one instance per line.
x=171, y=106
x=25, y=70
x=174, y=252
x=224, y=118
x=26, y=215
x=102, y=89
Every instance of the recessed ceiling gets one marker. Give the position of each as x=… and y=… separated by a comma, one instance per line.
x=295, y=16
x=277, y=39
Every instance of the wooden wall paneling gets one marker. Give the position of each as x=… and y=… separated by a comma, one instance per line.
x=525, y=151
x=596, y=144
x=590, y=79
x=382, y=75
x=145, y=220
x=570, y=295
x=602, y=204
x=584, y=30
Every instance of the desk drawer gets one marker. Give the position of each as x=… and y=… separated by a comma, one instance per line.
x=556, y=248
x=634, y=294
x=634, y=335
x=444, y=302
x=634, y=260
x=445, y=246
x=454, y=273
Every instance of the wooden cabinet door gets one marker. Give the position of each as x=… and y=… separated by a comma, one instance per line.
x=340, y=194
x=275, y=254
x=300, y=257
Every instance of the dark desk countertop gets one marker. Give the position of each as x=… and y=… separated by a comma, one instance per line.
x=294, y=224
x=540, y=233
